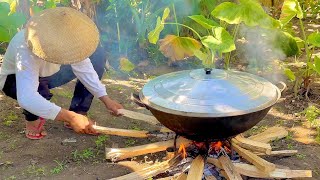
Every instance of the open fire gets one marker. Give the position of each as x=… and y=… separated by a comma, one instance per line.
x=208, y=151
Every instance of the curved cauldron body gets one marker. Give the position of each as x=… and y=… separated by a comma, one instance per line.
x=209, y=128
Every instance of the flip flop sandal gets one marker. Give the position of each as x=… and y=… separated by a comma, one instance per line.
x=38, y=129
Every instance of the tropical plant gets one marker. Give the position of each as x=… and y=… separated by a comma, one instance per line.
x=10, y=21
x=305, y=75
x=218, y=39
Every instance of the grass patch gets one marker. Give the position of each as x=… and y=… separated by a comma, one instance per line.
x=83, y=155
x=130, y=142
x=13, y=177
x=34, y=170
x=10, y=119
x=58, y=168
x=100, y=141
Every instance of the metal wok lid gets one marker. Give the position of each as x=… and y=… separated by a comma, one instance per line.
x=216, y=93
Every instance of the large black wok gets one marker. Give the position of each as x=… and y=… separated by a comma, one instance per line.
x=205, y=105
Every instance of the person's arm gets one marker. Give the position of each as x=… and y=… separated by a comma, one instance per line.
x=89, y=78
x=27, y=80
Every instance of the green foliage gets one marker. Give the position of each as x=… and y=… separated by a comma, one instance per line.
x=83, y=155
x=249, y=12
x=10, y=118
x=221, y=41
x=285, y=42
x=314, y=39
x=100, y=141
x=10, y=21
x=58, y=168
x=311, y=113
x=204, y=22
x=126, y=65
x=290, y=74
x=153, y=36
x=35, y=170
x=290, y=9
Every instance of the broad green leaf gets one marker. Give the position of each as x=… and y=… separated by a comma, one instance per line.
x=229, y=12
x=153, y=35
x=4, y=8
x=126, y=65
x=317, y=64
x=290, y=9
x=248, y=11
x=314, y=39
x=285, y=42
x=178, y=48
x=201, y=55
x=203, y=21
x=222, y=41
x=289, y=74
x=4, y=35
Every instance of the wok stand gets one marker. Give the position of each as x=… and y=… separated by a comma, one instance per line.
x=251, y=149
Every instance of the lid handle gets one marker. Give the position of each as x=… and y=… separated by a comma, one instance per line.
x=208, y=70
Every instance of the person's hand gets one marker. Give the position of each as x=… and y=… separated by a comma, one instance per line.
x=78, y=122
x=81, y=124
x=111, y=105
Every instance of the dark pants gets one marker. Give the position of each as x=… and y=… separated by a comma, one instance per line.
x=82, y=98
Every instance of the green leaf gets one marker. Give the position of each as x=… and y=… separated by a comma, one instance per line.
x=289, y=74
x=229, y=12
x=203, y=21
x=126, y=65
x=4, y=8
x=317, y=64
x=153, y=35
x=284, y=41
x=50, y=4
x=4, y=35
x=290, y=9
x=248, y=11
x=201, y=55
x=222, y=41
x=314, y=39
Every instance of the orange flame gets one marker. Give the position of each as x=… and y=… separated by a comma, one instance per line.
x=216, y=145
x=182, y=149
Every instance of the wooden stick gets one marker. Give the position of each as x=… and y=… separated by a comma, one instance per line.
x=270, y=134
x=146, y=172
x=228, y=167
x=196, y=168
x=260, y=163
x=182, y=176
x=279, y=153
x=252, y=145
x=138, y=116
x=123, y=153
x=121, y=132
x=252, y=171
x=152, y=170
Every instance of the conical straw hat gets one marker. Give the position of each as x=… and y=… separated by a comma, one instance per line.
x=62, y=35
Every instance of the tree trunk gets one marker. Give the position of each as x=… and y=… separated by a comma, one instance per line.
x=24, y=7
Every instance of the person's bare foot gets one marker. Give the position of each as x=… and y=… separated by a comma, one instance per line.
x=35, y=129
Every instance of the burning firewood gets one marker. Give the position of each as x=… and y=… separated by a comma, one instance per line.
x=196, y=169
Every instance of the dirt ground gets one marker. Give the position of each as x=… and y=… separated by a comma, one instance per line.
x=49, y=158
